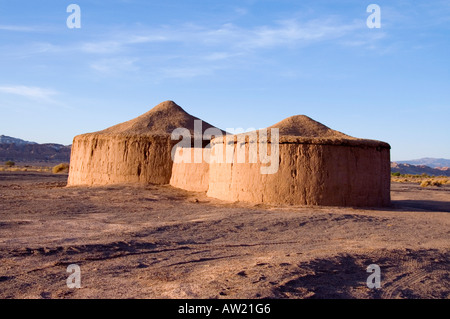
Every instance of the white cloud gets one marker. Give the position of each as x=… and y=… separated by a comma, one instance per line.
x=17, y=28
x=145, y=39
x=217, y=56
x=31, y=92
x=192, y=50
x=241, y=11
x=103, y=47
x=38, y=97
x=230, y=39
x=118, y=43
x=205, y=49
x=115, y=65
x=185, y=72
x=368, y=39
x=294, y=32
x=230, y=36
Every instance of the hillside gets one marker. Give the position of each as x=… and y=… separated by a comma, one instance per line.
x=12, y=140
x=428, y=161
x=18, y=150
x=419, y=169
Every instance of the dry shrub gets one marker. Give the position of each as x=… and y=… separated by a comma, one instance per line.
x=430, y=182
x=436, y=183
x=10, y=163
x=425, y=183
x=61, y=168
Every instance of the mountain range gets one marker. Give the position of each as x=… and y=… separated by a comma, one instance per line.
x=12, y=140
x=19, y=150
x=419, y=169
x=428, y=161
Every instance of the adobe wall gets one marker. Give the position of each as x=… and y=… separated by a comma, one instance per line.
x=311, y=172
x=101, y=159
x=190, y=175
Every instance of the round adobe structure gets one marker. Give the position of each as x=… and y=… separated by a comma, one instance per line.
x=136, y=151
x=316, y=166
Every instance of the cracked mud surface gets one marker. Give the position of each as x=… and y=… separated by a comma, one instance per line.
x=161, y=242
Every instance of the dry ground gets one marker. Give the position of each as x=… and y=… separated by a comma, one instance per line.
x=161, y=242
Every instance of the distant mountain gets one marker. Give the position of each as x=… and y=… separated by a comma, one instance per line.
x=419, y=169
x=17, y=150
x=12, y=140
x=428, y=161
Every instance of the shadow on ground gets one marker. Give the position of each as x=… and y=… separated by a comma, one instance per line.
x=404, y=274
x=428, y=205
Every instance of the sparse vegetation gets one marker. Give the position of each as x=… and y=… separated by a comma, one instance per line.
x=425, y=183
x=423, y=180
x=10, y=163
x=61, y=168
x=26, y=168
x=430, y=183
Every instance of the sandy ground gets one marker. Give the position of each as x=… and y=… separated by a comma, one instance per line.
x=161, y=242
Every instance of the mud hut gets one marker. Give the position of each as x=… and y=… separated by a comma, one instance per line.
x=312, y=165
x=136, y=151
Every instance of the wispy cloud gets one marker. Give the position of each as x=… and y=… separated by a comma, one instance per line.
x=103, y=47
x=28, y=28
x=281, y=33
x=115, y=65
x=30, y=92
x=38, y=97
x=119, y=43
x=228, y=35
x=17, y=28
x=218, y=56
x=289, y=32
x=228, y=45
x=192, y=50
x=240, y=11
x=186, y=72
x=368, y=39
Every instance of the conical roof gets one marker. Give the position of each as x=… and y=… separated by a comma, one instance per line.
x=304, y=126
x=303, y=129
x=162, y=119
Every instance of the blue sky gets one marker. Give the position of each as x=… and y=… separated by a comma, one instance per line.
x=236, y=64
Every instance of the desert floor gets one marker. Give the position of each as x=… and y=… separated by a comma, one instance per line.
x=161, y=242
